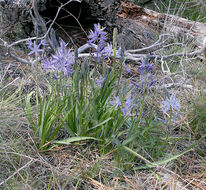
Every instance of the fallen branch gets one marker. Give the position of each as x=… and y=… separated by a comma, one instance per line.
x=43, y=26
x=17, y=58
x=182, y=54
x=157, y=21
x=138, y=57
x=50, y=27
x=152, y=47
x=132, y=54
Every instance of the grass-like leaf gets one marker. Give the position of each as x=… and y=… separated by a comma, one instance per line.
x=68, y=141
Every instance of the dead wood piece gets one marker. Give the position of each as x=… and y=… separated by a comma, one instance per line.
x=137, y=28
x=157, y=21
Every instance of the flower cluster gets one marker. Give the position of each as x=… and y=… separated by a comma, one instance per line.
x=146, y=80
x=170, y=103
x=145, y=69
x=126, y=108
x=107, y=51
x=104, y=49
x=62, y=61
x=99, y=82
x=98, y=36
x=116, y=102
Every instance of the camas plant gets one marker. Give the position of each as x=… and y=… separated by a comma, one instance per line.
x=88, y=103
x=78, y=100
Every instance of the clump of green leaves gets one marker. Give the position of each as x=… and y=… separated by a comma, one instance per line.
x=86, y=101
x=79, y=100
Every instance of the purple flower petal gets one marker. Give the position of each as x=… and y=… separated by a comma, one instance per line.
x=170, y=102
x=100, y=82
x=62, y=61
x=145, y=66
x=35, y=48
x=116, y=102
x=127, y=107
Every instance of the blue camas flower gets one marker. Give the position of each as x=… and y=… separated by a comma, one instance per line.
x=107, y=51
x=116, y=102
x=149, y=82
x=145, y=66
x=120, y=53
x=35, y=49
x=98, y=36
x=170, y=103
x=145, y=69
x=127, y=68
x=99, y=82
x=62, y=61
x=127, y=107
x=168, y=106
x=104, y=50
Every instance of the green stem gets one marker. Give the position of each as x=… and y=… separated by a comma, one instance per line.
x=142, y=104
x=115, y=32
x=37, y=84
x=141, y=109
x=103, y=68
x=119, y=78
x=169, y=123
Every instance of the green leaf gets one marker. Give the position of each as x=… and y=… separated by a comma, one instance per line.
x=158, y=163
x=75, y=139
x=136, y=154
x=102, y=123
x=130, y=139
x=29, y=112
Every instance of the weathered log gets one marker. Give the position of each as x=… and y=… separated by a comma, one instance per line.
x=104, y=11
x=137, y=26
x=163, y=22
